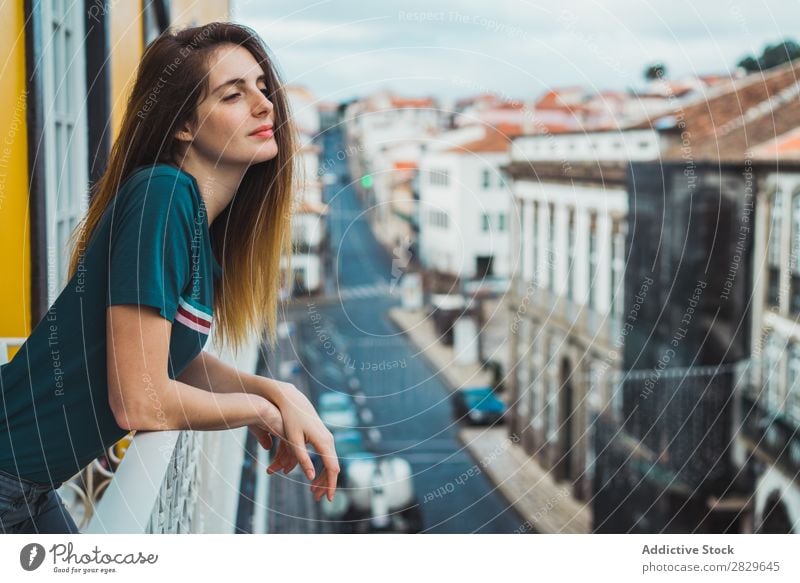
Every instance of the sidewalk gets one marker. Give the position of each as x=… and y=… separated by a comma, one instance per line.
x=547, y=506
x=420, y=330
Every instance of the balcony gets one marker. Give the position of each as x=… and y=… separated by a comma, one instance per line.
x=172, y=482
x=166, y=482
x=594, y=327
x=770, y=433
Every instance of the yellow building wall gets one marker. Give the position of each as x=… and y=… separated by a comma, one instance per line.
x=127, y=44
x=15, y=288
x=193, y=13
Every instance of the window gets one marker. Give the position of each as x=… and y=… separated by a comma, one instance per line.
x=593, y=256
x=771, y=376
x=617, y=267
x=551, y=249
x=793, y=385
x=774, y=249
x=485, y=222
x=438, y=218
x=571, y=256
x=439, y=177
x=532, y=405
x=501, y=222
x=794, y=259
x=535, y=239
x=552, y=393
x=487, y=178
x=65, y=135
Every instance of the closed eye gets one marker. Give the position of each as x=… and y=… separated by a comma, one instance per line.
x=264, y=90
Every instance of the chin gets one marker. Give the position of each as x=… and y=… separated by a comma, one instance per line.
x=265, y=154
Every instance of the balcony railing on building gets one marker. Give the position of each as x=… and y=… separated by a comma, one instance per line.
x=667, y=462
x=773, y=433
x=165, y=482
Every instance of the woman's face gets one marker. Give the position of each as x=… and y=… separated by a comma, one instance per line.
x=234, y=108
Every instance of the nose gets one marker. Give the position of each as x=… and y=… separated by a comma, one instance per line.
x=263, y=105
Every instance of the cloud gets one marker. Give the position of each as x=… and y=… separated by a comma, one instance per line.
x=517, y=47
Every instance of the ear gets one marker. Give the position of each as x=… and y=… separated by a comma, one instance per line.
x=185, y=133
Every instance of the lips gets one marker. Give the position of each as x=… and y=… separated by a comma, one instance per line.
x=265, y=129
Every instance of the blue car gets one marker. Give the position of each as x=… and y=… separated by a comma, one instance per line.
x=478, y=406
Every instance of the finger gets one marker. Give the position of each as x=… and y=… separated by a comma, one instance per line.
x=330, y=462
x=317, y=487
x=332, y=484
x=301, y=453
x=322, y=486
x=279, y=461
x=286, y=461
x=326, y=482
x=280, y=458
x=291, y=461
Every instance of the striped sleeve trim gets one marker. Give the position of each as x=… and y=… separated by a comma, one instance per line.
x=195, y=317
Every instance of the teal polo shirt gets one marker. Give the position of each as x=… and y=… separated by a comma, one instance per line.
x=152, y=247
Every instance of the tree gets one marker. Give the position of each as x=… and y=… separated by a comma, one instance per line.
x=749, y=64
x=771, y=56
x=779, y=54
x=655, y=71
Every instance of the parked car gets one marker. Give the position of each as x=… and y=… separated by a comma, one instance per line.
x=347, y=442
x=337, y=411
x=380, y=496
x=478, y=406
x=332, y=376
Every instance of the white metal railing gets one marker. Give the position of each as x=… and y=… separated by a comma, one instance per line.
x=154, y=491
x=9, y=342
x=155, y=485
x=175, y=482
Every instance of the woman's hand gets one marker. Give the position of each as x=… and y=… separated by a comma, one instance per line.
x=271, y=422
x=302, y=425
x=263, y=436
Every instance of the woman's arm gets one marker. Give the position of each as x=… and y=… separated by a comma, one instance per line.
x=300, y=421
x=210, y=380
x=143, y=397
x=209, y=373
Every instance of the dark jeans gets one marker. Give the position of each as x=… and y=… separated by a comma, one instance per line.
x=30, y=508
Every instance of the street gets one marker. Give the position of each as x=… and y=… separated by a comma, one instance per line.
x=344, y=342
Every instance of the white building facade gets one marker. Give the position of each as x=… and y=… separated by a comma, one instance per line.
x=465, y=209
x=569, y=223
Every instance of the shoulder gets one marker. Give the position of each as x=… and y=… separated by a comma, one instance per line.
x=159, y=174
x=159, y=187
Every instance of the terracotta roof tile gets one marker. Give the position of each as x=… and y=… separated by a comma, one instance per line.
x=494, y=140
x=726, y=125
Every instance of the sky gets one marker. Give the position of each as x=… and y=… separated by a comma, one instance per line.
x=341, y=49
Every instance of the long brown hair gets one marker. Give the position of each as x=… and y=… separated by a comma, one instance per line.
x=253, y=233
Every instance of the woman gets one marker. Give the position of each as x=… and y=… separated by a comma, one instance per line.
x=202, y=169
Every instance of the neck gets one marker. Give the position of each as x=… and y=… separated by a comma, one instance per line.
x=218, y=183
